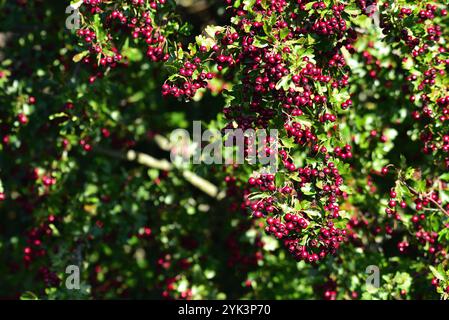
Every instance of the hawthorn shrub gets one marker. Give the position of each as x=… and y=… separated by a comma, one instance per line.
x=358, y=91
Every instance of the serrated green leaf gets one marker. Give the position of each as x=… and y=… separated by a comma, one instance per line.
x=437, y=274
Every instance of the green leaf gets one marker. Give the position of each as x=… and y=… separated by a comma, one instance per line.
x=280, y=180
x=304, y=120
x=28, y=296
x=420, y=186
x=284, y=83
x=439, y=275
x=78, y=57
x=248, y=5
x=401, y=190
x=346, y=189
x=309, y=5
x=136, y=97
x=212, y=30
x=288, y=142
x=353, y=11
x=408, y=64
x=312, y=213
x=260, y=42
x=409, y=173
x=284, y=33
x=307, y=189
x=133, y=54
x=58, y=115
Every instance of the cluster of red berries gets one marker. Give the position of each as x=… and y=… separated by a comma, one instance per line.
x=402, y=246
x=140, y=23
x=193, y=78
x=327, y=240
x=302, y=134
x=87, y=35
x=270, y=78
x=331, y=26
x=241, y=257
x=93, y=5
x=49, y=277
x=168, y=285
x=428, y=13
x=35, y=236
x=330, y=290
x=323, y=240
x=343, y=153
x=436, y=282
x=145, y=233
x=429, y=110
x=23, y=119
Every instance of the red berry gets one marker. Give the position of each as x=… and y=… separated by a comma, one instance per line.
x=31, y=100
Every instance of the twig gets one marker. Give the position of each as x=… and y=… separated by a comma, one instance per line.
x=146, y=160
x=163, y=142
x=439, y=206
x=416, y=193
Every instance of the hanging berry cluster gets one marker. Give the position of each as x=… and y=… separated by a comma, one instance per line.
x=425, y=57
x=113, y=35
x=425, y=61
x=410, y=73
x=288, y=62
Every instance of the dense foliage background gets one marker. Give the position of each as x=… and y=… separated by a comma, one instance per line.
x=358, y=90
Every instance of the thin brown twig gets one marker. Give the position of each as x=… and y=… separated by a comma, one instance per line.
x=144, y=159
x=426, y=196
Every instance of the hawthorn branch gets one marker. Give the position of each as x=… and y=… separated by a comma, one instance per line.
x=416, y=193
x=439, y=206
x=161, y=164
x=163, y=142
x=148, y=161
